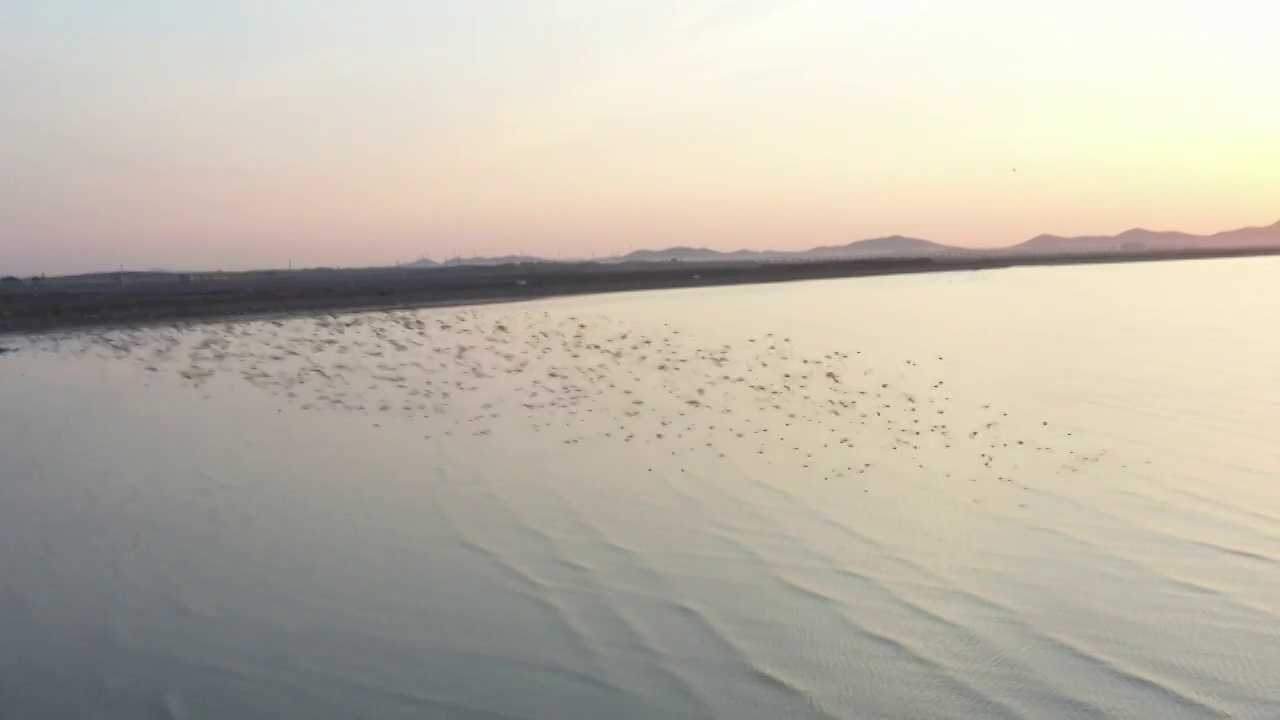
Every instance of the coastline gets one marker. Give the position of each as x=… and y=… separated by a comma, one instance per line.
x=140, y=299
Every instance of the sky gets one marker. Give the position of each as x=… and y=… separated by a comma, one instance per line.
x=184, y=134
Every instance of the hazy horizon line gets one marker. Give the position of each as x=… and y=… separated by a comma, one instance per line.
x=454, y=256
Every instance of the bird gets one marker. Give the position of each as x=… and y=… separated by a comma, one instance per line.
x=557, y=375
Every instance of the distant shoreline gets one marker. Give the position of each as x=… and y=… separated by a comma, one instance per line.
x=72, y=303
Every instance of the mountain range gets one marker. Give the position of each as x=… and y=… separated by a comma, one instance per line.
x=455, y=262
x=1244, y=237
x=1134, y=240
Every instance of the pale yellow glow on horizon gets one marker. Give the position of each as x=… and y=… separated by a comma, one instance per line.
x=163, y=136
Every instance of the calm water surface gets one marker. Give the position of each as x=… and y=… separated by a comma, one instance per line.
x=1036, y=493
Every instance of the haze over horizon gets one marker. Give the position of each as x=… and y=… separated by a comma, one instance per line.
x=183, y=135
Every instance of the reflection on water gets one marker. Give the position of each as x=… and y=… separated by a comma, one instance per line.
x=1034, y=493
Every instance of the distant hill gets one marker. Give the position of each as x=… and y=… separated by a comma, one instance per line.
x=687, y=254
x=1248, y=237
x=896, y=246
x=501, y=260
x=476, y=261
x=1139, y=238
x=900, y=246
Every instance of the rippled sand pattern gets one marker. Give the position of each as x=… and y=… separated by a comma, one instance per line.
x=719, y=503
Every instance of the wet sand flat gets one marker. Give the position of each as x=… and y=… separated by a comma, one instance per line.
x=1038, y=493
x=149, y=298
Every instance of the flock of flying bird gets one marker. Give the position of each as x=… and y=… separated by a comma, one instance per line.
x=577, y=379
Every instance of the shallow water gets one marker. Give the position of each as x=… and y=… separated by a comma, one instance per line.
x=1029, y=493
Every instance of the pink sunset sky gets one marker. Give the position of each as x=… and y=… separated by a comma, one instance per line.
x=161, y=134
